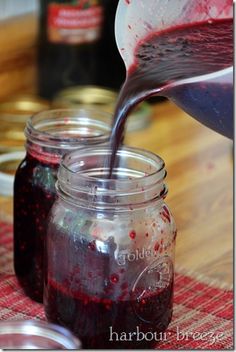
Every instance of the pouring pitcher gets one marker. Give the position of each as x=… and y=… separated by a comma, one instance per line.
x=207, y=96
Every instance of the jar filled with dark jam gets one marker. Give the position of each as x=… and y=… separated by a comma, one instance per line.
x=50, y=134
x=110, y=249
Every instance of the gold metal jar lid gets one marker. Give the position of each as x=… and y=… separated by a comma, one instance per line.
x=86, y=96
x=14, y=113
x=103, y=98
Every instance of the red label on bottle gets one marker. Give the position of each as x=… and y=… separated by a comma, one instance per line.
x=74, y=24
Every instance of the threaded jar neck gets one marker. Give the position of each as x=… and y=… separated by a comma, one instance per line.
x=137, y=178
x=55, y=132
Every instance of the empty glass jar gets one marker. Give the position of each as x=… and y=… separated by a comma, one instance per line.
x=50, y=134
x=110, y=249
x=33, y=335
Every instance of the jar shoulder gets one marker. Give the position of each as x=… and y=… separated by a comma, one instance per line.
x=32, y=171
x=145, y=225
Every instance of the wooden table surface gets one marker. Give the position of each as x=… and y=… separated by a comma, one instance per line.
x=199, y=164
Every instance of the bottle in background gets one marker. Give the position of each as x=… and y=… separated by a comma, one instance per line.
x=112, y=70
x=69, y=40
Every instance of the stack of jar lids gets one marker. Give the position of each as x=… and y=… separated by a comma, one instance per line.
x=13, y=116
x=93, y=96
x=14, y=113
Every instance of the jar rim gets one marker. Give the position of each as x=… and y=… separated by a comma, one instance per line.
x=47, y=331
x=84, y=126
x=83, y=176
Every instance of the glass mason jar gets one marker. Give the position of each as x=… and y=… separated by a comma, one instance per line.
x=110, y=249
x=50, y=134
x=34, y=334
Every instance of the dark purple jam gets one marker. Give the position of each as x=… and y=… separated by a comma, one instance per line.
x=104, y=323
x=34, y=194
x=100, y=301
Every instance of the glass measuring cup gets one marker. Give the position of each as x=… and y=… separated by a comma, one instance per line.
x=207, y=97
